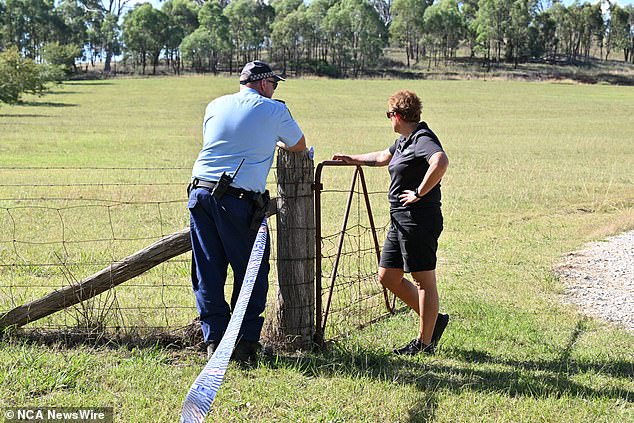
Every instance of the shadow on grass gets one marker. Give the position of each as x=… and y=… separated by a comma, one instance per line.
x=453, y=369
x=87, y=83
x=457, y=370
x=62, y=91
x=22, y=115
x=564, y=364
x=46, y=104
x=188, y=338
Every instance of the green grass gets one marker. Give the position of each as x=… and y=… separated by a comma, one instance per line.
x=535, y=170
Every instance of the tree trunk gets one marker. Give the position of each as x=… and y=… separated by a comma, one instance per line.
x=106, y=66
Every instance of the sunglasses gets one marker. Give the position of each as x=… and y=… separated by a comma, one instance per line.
x=274, y=83
x=390, y=114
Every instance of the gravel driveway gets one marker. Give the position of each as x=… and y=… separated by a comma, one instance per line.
x=600, y=279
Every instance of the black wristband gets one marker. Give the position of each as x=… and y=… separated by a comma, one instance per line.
x=416, y=194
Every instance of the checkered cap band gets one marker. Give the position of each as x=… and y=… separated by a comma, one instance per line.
x=257, y=77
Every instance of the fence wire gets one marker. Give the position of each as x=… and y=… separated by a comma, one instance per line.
x=60, y=225
x=352, y=296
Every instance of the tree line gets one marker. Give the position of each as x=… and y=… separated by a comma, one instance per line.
x=342, y=38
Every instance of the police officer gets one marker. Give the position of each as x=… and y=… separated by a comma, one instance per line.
x=240, y=132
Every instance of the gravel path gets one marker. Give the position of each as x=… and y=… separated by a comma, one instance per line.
x=600, y=279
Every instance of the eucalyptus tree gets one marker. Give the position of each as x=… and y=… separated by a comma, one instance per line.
x=28, y=25
x=182, y=18
x=249, y=22
x=211, y=41
x=542, y=39
x=521, y=14
x=563, y=31
x=110, y=38
x=283, y=8
x=576, y=26
x=492, y=19
x=318, y=47
x=594, y=29
x=3, y=32
x=356, y=35
x=630, y=11
x=289, y=32
x=72, y=23
x=406, y=27
x=145, y=34
x=109, y=30
x=469, y=10
x=444, y=26
x=104, y=32
x=622, y=30
x=384, y=9
x=198, y=49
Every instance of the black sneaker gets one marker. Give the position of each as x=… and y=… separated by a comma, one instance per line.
x=439, y=328
x=246, y=351
x=414, y=347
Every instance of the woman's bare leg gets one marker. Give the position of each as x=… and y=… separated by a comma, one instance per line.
x=428, y=303
x=393, y=279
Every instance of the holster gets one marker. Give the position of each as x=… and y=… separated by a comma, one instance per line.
x=260, y=206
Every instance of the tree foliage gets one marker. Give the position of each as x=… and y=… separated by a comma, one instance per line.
x=331, y=37
x=145, y=34
x=21, y=75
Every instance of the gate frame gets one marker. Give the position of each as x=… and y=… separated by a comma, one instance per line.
x=321, y=317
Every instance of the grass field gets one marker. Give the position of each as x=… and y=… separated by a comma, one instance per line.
x=536, y=170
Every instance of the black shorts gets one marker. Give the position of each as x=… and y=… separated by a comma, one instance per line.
x=412, y=240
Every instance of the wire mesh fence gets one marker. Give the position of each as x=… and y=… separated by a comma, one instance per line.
x=59, y=225
x=353, y=224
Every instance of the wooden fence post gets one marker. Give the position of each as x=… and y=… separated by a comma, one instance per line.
x=291, y=319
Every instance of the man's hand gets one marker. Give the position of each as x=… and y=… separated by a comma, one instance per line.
x=300, y=146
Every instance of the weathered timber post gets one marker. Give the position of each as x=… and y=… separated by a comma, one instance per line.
x=291, y=320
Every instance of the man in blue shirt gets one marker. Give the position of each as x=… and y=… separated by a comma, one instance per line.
x=239, y=130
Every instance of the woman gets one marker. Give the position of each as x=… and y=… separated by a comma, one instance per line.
x=417, y=163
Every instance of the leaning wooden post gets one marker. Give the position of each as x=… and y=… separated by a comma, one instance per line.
x=291, y=323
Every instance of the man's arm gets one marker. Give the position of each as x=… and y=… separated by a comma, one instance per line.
x=376, y=158
x=300, y=146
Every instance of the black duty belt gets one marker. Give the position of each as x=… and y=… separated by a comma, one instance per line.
x=232, y=191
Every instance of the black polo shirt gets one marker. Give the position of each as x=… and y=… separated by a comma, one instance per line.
x=410, y=161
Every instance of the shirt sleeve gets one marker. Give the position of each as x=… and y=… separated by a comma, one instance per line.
x=392, y=148
x=427, y=147
x=289, y=132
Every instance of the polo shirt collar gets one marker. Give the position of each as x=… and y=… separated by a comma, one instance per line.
x=249, y=90
x=421, y=125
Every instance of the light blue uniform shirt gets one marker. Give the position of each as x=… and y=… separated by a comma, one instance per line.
x=245, y=126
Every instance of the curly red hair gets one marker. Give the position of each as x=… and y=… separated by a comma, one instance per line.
x=406, y=104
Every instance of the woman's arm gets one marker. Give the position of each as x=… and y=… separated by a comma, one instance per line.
x=438, y=164
x=376, y=158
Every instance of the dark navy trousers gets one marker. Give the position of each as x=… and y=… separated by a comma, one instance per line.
x=221, y=236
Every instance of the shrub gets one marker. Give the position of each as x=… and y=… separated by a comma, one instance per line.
x=61, y=55
x=20, y=75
